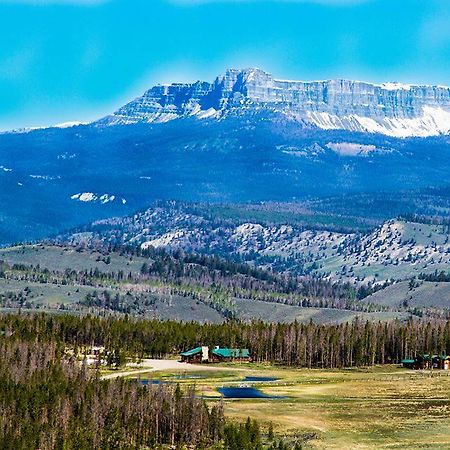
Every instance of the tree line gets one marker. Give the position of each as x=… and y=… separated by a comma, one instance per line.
x=359, y=343
x=437, y=277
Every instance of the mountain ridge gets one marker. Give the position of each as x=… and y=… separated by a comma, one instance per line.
x=393, y=109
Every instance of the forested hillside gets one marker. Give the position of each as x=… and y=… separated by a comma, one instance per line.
x=55, y=179
x=285, y=238
x=49, y=401
x=151, y=283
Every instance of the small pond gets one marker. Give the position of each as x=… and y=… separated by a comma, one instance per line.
x=149, y=382
x=243, y=392
x=261, y=379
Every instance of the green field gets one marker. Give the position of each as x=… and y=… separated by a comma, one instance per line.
x=277, y=312
x=426, y=294
x=61, y=258
x=384, y=407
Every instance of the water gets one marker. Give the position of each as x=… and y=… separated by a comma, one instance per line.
x=147, y=382
x=262, y=379
x=243, y=392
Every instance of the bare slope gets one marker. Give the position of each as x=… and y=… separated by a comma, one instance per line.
x=426, y=294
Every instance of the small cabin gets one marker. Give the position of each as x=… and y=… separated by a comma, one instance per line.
x=97, y=350
x=96, y=356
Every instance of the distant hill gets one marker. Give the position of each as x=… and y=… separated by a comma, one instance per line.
x=65, y=279
x=76, y=280
x=408, y=295
x=295, y=240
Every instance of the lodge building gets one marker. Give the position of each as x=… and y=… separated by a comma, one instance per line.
x=204, y=354
x=427, y=362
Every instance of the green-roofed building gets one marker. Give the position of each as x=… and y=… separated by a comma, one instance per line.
x=229, y=354
x=427, y=361
x=196, y=355
x=408, y=363
x=203, y=354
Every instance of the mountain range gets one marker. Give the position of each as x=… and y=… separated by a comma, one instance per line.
x=351, y=148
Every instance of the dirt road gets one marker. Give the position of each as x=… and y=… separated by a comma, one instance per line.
x=155, y=365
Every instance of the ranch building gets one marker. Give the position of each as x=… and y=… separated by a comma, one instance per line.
x=203, y=354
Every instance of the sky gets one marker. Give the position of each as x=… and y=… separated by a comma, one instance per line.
x=77, y=60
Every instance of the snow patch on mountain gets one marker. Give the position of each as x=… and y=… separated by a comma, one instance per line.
x=45, y=177
x=351, y=149
x=70, y=124
x=209, y=113
x=87, y=197
x=395, y=86
x=67, y=155
x=84, y=197
x=24, y=130
x=433, y=122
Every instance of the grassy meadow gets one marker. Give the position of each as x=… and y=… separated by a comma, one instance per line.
x=61, y=258
x=383, y=407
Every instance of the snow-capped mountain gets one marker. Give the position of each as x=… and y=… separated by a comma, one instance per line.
x=392, y=109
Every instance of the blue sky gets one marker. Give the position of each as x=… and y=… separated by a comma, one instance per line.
x=63, y=60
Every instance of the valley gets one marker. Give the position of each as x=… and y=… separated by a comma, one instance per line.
x=200, y=253
x=351, y=393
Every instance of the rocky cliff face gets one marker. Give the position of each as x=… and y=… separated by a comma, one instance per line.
x=391, y=108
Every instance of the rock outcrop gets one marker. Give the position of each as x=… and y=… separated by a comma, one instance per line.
x=391, y=108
